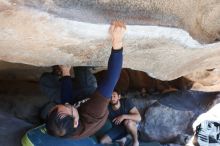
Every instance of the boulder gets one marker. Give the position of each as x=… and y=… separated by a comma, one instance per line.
x=170, y=117
x=49, y=32
x=21, y=72
x=131, y=80
x=22, y=99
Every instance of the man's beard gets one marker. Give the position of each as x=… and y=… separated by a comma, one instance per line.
x=115, y=103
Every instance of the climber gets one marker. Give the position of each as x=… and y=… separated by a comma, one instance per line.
x=64, y=120
x=84, y=84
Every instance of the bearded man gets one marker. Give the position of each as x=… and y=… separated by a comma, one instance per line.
x=124, y=117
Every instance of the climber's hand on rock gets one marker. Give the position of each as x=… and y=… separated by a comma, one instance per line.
x=117, y=31
x=65, y=70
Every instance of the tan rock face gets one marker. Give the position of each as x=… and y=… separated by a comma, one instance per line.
x=48, y=32
x=208, y=80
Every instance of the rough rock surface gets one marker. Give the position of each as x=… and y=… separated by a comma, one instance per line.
x=131, y=80
x=168, y=117
x=22, y=99
x=48, y=32
x=21, y=72
x=208, y=80
x=203, y=80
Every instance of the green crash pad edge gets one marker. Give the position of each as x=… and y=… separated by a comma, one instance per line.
x=25, y=141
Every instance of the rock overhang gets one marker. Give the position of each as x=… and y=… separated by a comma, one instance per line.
x=32, y=34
